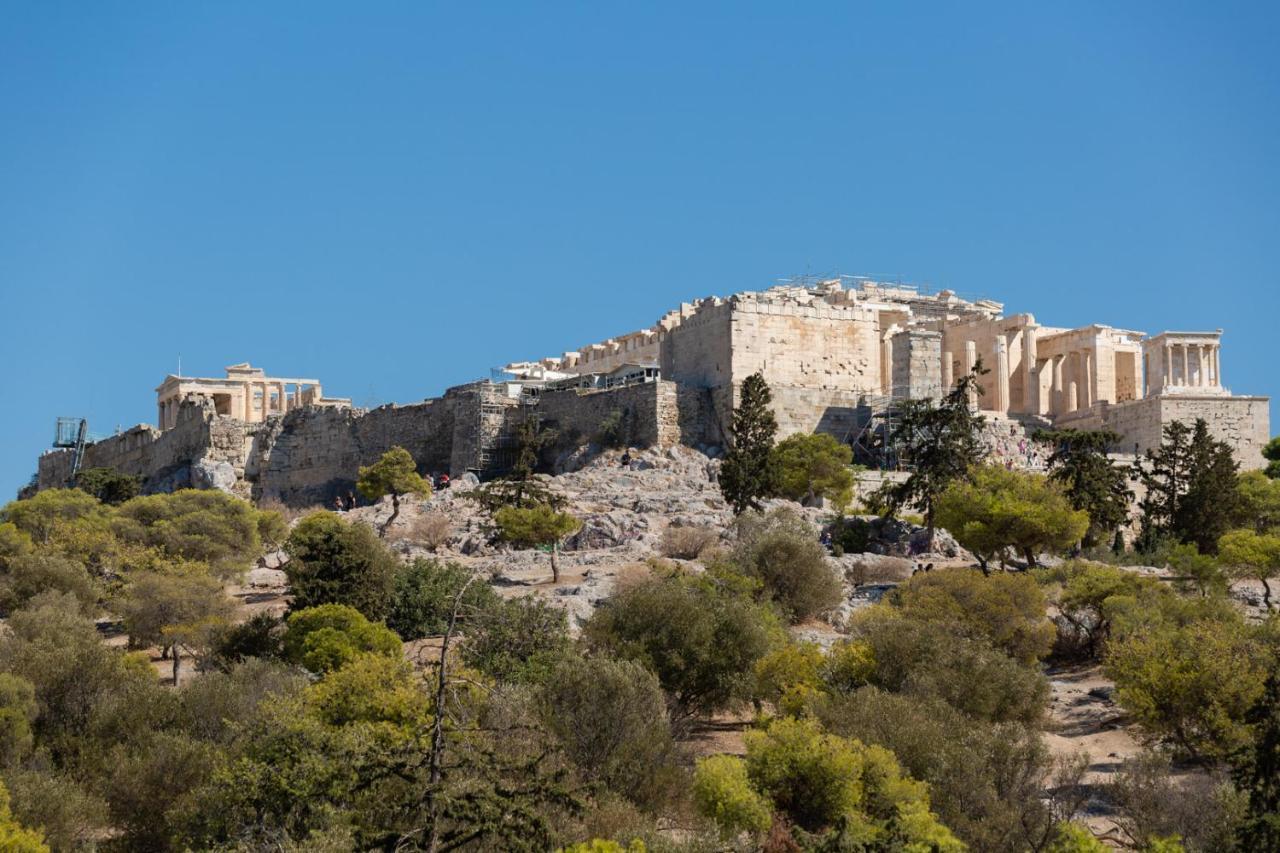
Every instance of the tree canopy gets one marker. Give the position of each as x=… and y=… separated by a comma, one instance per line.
x=749, y=470
x=1090, y=480
x=812, y=466
x=1191, y=490
x=998, y=509
x=940, y=444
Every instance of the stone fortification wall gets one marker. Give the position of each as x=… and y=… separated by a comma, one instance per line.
x=699, y=351
x=655, y=414
x=1242, y=422
x=164, y=460
x=310, y=455
x=817, y=346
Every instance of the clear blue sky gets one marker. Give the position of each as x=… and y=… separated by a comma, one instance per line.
x=394, y=197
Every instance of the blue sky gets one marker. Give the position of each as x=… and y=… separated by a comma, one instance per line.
x=394, y=197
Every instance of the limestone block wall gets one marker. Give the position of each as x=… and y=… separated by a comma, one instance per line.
x=804, y=410
x=917, y=364
x=699, y=351
x=806, y=346
x=312, y=454
x=1242, y=422
x=578, y=412
x=162, y=460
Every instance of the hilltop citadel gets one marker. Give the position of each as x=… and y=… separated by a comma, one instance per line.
x=836, y=353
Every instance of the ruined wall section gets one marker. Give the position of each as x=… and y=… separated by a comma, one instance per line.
x=917, y=365
x=655, y=414
x=310, y=455
x=165, y=461
x=1244, y=423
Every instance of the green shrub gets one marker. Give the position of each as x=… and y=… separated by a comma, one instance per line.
x=782, y=551
x=333, y=562
x=939, y=659
x=701, y=639
x=329, y=636
x=424, y=597
x=611, y=717
x=519, y=639
x=1007, y=609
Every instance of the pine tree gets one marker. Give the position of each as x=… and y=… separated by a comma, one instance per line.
x=940, y=443
x=748, y=472
x=1191, y=488
x=1093, y=483
x=1257, y=773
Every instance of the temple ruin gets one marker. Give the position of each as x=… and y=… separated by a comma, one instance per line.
x=837, y=354
x=246, y=393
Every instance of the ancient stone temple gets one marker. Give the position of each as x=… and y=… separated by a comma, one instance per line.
x=246, y=393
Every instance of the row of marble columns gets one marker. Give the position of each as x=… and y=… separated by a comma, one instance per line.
x=282, y=400
x=1073, y=377
x=1207, y=373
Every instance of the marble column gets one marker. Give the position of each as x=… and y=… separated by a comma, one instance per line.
x=1167, y=379
x=970, y=360
x=1186, y=364
x=1030, y=376
x=1002, y=375
x=948, y=377
x=1087, y=395
x=1058, y=396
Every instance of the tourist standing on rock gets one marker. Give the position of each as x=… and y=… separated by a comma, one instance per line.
x=337, y=503
x=626, y=459
x=351, y=501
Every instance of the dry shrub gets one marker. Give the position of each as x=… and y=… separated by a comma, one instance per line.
x=686, y=543
x=432, y=530
x=289, y=513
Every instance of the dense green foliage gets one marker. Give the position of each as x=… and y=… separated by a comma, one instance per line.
x=782, y=552
x=332, y=561
x=1092, y=483
x=330, y=636
x=831, y=788
x=814, y=465
x=940, y=443
x=699, y=637
x=1006, y=610
x=996, y=509
x=1191, y=489
x=425, y=594
x=749, y=471
x=611, y=717
x=108, y=485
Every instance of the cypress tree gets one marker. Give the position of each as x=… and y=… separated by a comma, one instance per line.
x=748, y=472
x=1079, y=462
x=1191, y=488
x=1257, y=773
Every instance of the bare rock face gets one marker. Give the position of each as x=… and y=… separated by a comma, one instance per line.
x=208, y=474
x=860, y=569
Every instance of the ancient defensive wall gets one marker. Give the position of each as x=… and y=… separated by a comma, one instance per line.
x=310, y=454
